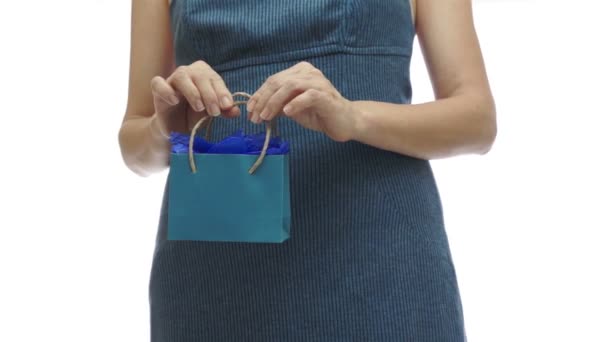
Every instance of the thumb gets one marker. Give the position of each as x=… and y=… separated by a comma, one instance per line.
x=164, y=95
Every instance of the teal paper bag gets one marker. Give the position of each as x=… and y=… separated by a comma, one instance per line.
x=222, y=197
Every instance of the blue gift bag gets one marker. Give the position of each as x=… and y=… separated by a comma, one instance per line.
x=236, y=190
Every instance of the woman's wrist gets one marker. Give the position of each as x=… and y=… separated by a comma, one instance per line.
x=360, y=118
x=159, y=137
x=156, y=128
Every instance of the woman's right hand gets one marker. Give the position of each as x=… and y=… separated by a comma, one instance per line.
x=189, y=93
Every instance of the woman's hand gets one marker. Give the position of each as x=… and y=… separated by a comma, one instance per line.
x=303, y=94
x=187, y=95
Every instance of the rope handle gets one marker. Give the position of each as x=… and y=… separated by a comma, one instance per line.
x=209, y=119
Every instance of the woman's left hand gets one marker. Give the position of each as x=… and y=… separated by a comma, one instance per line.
x=303, y=94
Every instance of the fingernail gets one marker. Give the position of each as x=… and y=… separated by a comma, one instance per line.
x=250, y=105
x=174, y=100
x=199, y=106
x=264, y=115
x=287, y=109
x=226, y=101
x=215, y=110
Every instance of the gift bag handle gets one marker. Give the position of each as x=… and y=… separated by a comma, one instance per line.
x=209, y=120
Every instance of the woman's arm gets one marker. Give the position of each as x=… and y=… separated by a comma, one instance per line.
x=144, y=148
x=158, y=104
x=462, y=120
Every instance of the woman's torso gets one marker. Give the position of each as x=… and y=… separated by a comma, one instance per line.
x=234, y=33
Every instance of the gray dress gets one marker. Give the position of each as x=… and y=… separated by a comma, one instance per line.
x=368, y=258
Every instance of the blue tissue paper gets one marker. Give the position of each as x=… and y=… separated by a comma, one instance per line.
x=237, y=143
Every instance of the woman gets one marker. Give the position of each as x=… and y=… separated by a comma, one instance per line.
x=368, y=259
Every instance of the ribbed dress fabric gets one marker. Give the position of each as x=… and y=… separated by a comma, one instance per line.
x=368, y=258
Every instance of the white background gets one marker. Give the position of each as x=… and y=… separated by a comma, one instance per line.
x=526, y=223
